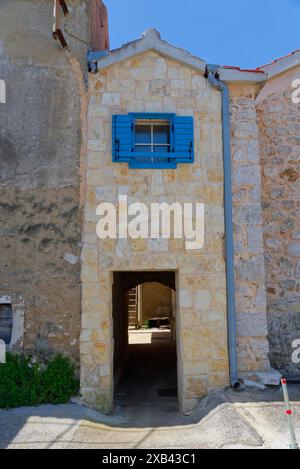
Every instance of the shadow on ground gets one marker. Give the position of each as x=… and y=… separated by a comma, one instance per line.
x=224, y=419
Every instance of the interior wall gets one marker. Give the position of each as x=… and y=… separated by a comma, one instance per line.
x=156, y=301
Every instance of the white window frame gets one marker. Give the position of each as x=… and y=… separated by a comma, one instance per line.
x=151, y=123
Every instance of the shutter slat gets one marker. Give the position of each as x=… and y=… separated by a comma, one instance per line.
x=184, y=138
x=121, y=137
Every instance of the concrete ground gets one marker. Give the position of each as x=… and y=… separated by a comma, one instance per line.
x=143, y=418
x=224, y=420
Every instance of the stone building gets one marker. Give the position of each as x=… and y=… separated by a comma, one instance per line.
x=41, y=148
x=74, y=137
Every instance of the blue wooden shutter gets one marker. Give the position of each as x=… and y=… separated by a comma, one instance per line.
x=122, y=135
x=184, y=139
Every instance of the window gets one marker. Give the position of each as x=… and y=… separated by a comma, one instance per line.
x=152, y=136
x=6, y=322
x=152, y=140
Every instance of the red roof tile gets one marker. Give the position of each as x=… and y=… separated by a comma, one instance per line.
x=251, y=70
x=280, y=58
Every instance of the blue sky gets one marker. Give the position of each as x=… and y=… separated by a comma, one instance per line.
x=246, y=33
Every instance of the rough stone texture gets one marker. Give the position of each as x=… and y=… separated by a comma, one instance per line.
x=40, y=145
x=279, y=123
x=248, y=233
x=150, y=82
x=43, y=154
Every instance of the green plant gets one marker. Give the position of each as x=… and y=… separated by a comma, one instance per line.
x=58, y=381
x=19, y=382
x=24, y=383
x=147, y=324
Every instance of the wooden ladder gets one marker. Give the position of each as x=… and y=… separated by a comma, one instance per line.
x=133, y=307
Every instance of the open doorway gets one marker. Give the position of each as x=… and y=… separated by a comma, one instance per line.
x=145, y=358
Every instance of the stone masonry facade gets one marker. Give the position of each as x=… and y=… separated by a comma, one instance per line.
x=151, y=83
x=40, y=147
x=56, y=167
x=250, y=287
x=279, y=125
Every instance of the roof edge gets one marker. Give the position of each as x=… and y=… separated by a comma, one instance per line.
x=151, y=40
x=281, y=65
x=235, y=75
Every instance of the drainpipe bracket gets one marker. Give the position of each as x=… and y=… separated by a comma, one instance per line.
x=93, y=57
x=212, y=69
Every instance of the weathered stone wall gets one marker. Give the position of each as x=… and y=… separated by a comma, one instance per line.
x=40, y=147
x=250, y=287
x=279, y=125
x=151, y=83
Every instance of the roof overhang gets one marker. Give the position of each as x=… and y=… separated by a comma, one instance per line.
x=151, y=40
x=282, y=65
x=235, y=75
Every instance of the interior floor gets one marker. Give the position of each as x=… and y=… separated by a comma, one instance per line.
x=150, y=375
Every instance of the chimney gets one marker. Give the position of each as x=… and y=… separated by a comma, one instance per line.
x=98, y=26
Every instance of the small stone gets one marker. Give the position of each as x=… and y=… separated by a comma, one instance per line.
x=71, y=258
x=273, y=243
x=248, y=215
x=286, y=265
x=255, y=240
x=247, y=174
x=251, y=269
x=76, y=400
x=160, y=68
x=251, y=325
x=253, y=384
x=111, y=99
x=202, y=300
x=269, y=378
x=290, y=175
x=277, y=215
x=288, y=284
x=185, y=299
x=294, y=249
x=287, y=226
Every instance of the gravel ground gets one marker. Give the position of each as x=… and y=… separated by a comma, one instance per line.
x=227, y=419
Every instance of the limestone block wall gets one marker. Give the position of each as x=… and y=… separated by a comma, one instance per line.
x=250, y=286
x=279, y=125
x=152, y=83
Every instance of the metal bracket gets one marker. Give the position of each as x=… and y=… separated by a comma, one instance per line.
x=93, y=57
